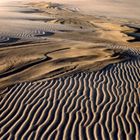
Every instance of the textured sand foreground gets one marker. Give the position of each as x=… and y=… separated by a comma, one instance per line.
x=66, y=75
x=95, y=105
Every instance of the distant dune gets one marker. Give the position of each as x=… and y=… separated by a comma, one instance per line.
x=115, y=8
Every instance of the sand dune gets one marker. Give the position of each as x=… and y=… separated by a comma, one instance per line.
x=57, y=59
x=47, y=44
x=59, y=20
x=113, y=8
x=87, y=105
x=67, y=75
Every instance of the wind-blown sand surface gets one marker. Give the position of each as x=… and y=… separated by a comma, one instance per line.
x=66, y=75
x=87, y=105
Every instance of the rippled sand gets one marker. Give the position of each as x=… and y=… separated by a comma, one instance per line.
x=68, y=75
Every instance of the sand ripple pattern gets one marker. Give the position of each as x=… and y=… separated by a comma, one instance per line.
x=31, y=31
x=87, y=105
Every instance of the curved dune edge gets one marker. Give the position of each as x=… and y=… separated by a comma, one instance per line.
x=59, y=58
x=86, y=105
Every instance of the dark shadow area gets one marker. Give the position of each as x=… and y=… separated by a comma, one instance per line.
x=41, y=19
x=31, y=11
x=15, y=44
x=45, y=34
x=9, y=40
x=136, y=37
x=65, y=30
x=135, y=34
x=23, y=67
